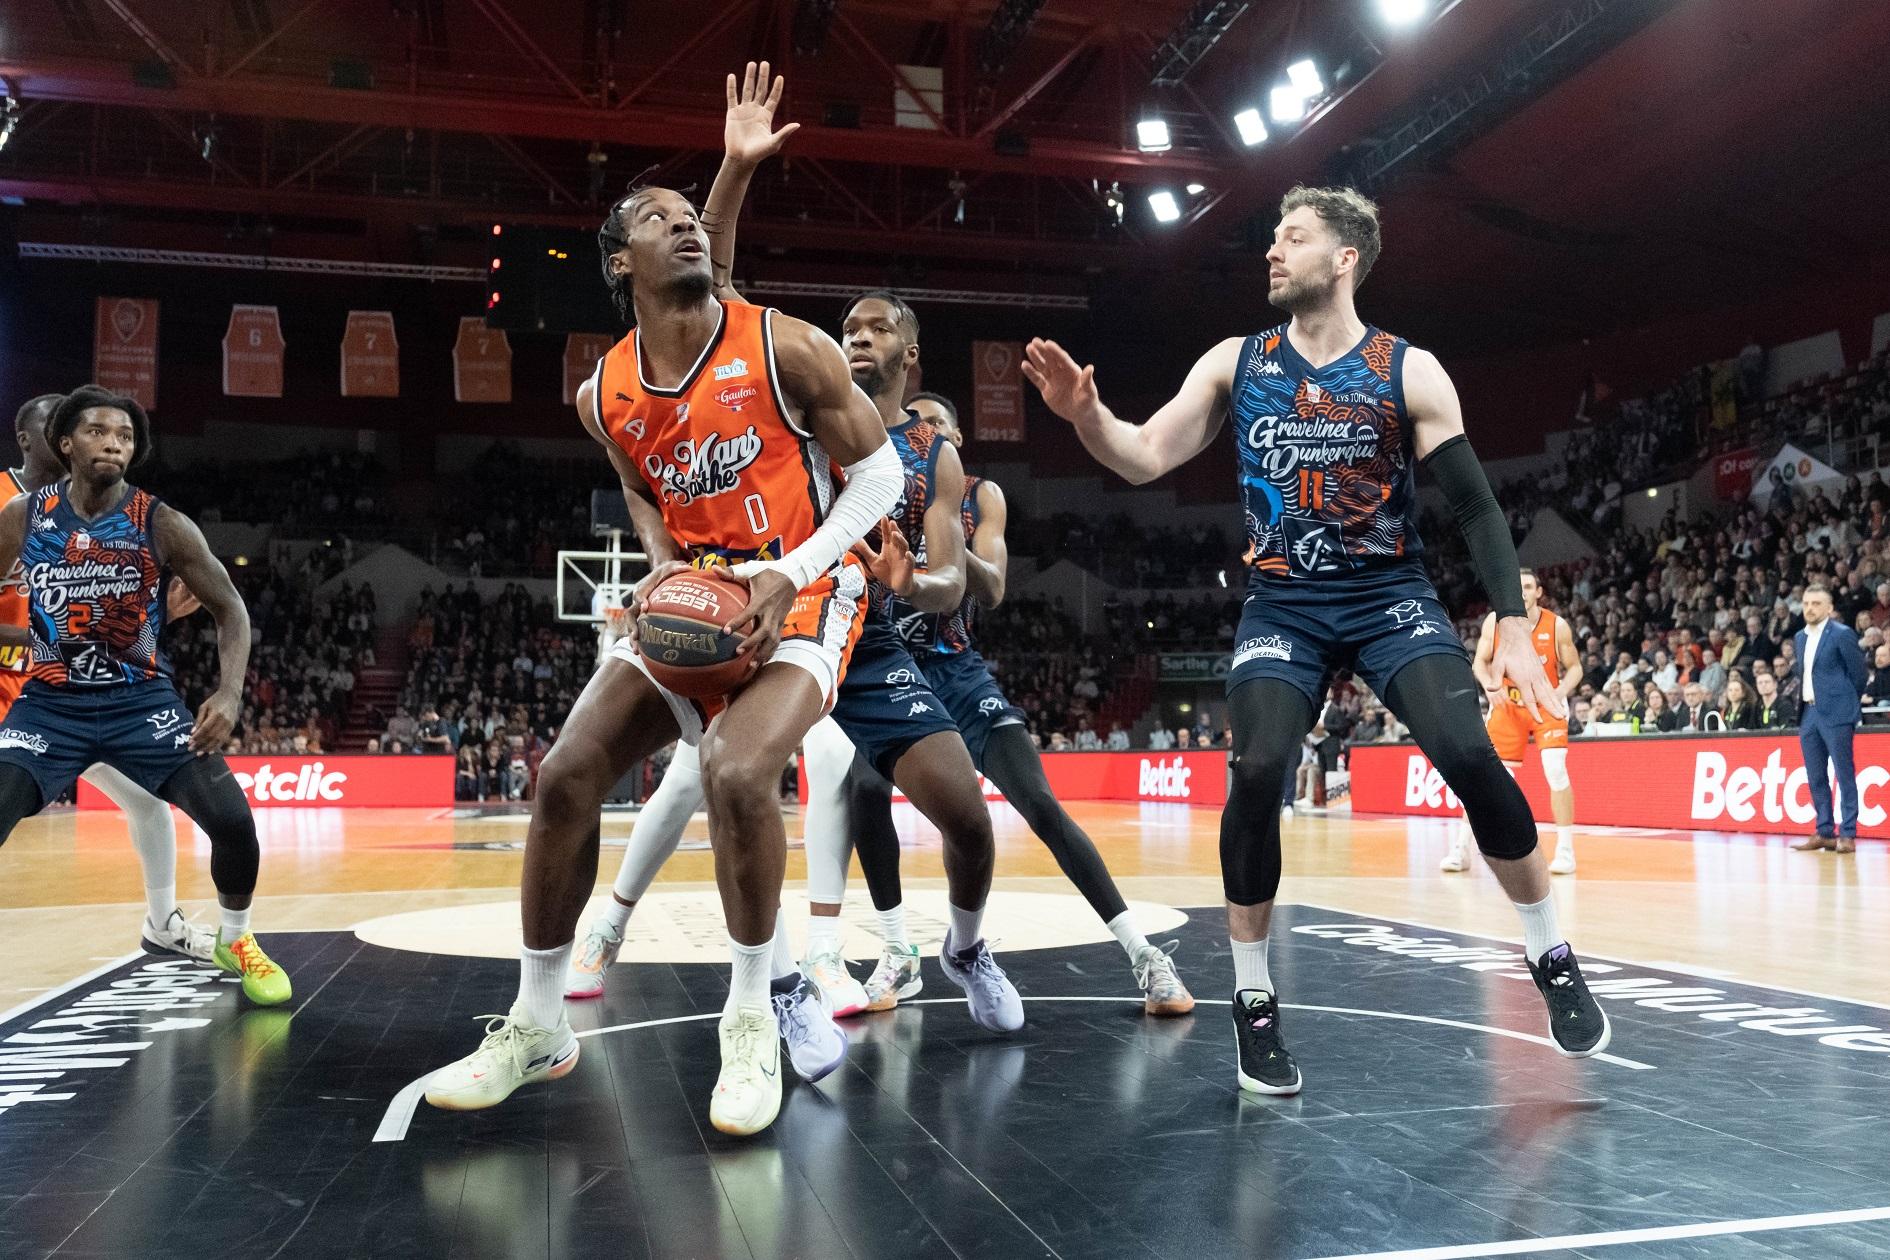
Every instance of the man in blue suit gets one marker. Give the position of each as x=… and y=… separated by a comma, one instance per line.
x=1833, y=684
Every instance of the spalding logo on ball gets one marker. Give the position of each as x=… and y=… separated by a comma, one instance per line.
x=680, y=634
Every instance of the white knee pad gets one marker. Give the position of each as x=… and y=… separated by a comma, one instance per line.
x=1555, y=768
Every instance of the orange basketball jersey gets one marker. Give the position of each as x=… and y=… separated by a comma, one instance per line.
x=14, y=661
x=735, y=477
x=1544, y=637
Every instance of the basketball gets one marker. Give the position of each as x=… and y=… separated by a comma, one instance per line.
x=680, y=635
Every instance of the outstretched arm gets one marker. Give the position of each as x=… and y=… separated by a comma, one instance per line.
x=748, y=139
x=184, y=549
x=988, y=559
x=1439, y=441
x=1139, y=453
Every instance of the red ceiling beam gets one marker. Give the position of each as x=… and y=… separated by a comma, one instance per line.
x=264, y=96
x=711, y=29
x=893, y=72
x=521, y=39
x=262, y=45
x=334, y=154
x=149, y=36
x=1044, y=80
x=531, y=166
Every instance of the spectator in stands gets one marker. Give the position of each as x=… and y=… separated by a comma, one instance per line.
x=466, y=778
x=431, y=733
x=1737, y=709
x=1774, y=710
x=1877, y=688
x=1184, y=738
x=1581, y=716
x=1059, y=742
x=1203, y=729
x=1788, y=680
x=401, y=727
x=1665, y=673
x=1160, y=739
x=1712, y=675
x=397, y=746
x=1086, y=739
x=1118, y=738
x=1698, y=708
x=1626, y=670
x=1657, y=717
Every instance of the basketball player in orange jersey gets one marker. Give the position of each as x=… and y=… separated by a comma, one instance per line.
x=1511, y=728
x=1331, y=418
x=153, y=835
x=729, y=418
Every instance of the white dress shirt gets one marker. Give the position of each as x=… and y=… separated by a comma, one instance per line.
x=1812, y=635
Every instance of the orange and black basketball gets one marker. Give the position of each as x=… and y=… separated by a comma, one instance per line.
x=681, y=639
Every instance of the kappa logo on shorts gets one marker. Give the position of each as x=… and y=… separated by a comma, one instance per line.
x=31, y=741
x=991, y=704
x=1266, y=647
x=181, y=739
x=165, y=723
x=1406, y=611
x=1424, y=628
x=902, y=677
x=918, y=707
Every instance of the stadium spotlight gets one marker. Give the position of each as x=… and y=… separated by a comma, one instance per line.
x=1286, y=104
x=1195, y=190
x=1164, y=205
x=1304, y=75
x=1402, y=12
x=1252, y=130
x=1151, y=135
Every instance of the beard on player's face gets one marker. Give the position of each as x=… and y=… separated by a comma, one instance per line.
x=875, y=376
x=1307, y=288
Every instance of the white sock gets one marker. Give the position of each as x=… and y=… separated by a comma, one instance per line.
x=748, y=977
x=617, y=914
x=967, y=927
x=892, y=925
x=235, y=923
x=782, y=959
x=159, y=903
x=1250, y=965
x=1564, y=837
x=541, y=984
x=1460, y=835
x=1123, y=928
x=1540, y=935
x=823, y=934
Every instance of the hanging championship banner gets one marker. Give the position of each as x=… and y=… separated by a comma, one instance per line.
x=124, y=347
x=482, y=363
x=252, y=353
x=997, y=391
x=581, y=353
x=370, y=356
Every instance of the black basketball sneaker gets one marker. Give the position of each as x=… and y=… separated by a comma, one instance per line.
x=1576, y=1020
x=1265, y=1065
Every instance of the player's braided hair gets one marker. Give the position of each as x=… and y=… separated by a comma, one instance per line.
x=65, y=418
x=614, y=236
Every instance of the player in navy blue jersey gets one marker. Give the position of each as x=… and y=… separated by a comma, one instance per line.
x=94, y=552
x=1331, y=418
x=1000, y=745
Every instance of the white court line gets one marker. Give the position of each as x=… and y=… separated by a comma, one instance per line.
x=1613, y=958
x=400, y=1112
x=50, y=995
x=1619, y=1237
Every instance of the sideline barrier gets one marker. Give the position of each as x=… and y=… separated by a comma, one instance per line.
x=1751, y=782
x=1188, y=778
x=393, y=781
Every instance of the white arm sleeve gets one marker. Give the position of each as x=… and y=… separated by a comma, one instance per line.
x=872, y=488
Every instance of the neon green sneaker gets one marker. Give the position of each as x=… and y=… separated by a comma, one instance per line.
x=264, y=983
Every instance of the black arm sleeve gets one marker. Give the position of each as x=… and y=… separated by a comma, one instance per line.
x=1492, y=553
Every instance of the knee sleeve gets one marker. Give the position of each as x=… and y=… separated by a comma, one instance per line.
x=826, y=827
x=209, y=794
x=153, y=834
x=1555, y=768
x=1270, y=718
x=19, y=798
x=1436, y=697
x=869, y=822
x=660, y=823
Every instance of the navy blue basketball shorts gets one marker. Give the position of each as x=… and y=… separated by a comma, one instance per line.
x=1374, y=622
x=972, y=696
x=56, y=734
x=885, y=705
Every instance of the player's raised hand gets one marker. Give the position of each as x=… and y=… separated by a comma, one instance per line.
x=1517, y=661
x=1068, y=390
x=892, y=566
x=748, y=134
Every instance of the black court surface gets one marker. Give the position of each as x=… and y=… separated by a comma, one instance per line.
x=146, y=1112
